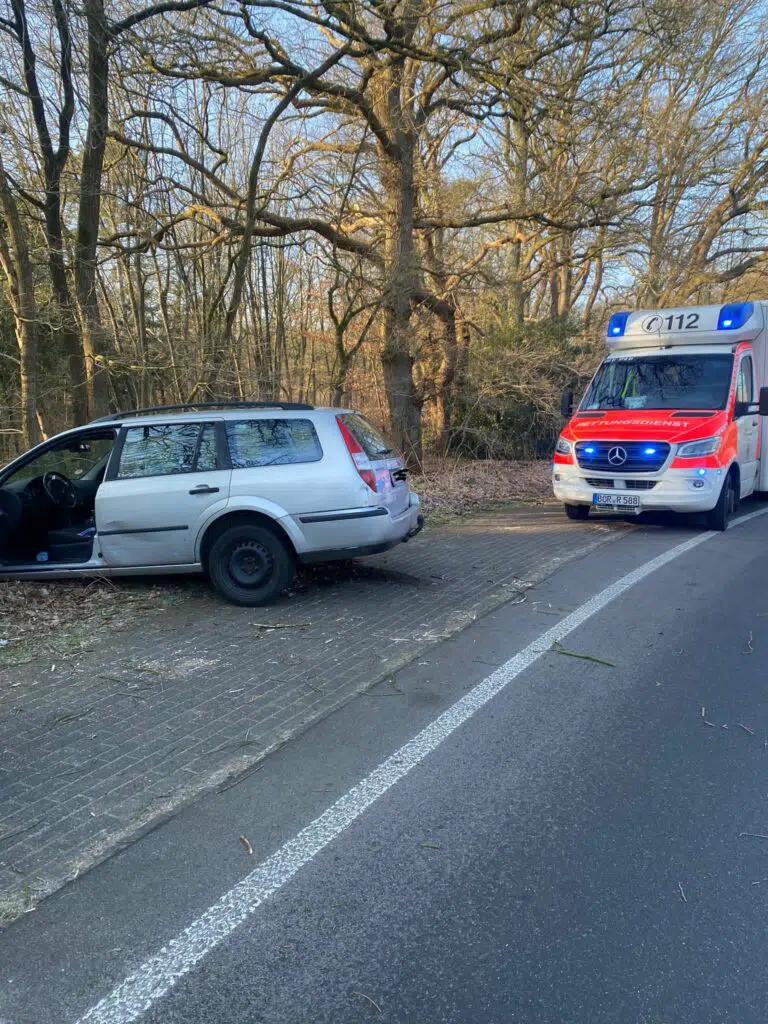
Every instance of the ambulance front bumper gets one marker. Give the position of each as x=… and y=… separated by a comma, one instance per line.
x=673, y=490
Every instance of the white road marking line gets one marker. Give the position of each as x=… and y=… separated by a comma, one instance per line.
x=157, y=976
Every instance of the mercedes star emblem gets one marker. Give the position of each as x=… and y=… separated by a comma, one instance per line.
x=617, y=456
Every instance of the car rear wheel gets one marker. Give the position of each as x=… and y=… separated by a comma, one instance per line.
x=718, y=518
x=577, y=511
x=250, y=565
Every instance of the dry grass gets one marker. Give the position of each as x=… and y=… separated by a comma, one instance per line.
x=458, y=487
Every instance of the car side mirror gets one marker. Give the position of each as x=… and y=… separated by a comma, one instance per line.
x=740, y=409
x=566, y=404
x=763, y=406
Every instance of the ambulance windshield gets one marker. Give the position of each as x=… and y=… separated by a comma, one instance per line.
x=661, y=382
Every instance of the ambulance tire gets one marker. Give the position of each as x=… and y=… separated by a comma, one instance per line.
x=579, y=512
x=718, y=518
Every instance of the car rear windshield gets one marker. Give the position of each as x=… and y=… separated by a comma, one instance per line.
x=272, y=442
x=371, y=440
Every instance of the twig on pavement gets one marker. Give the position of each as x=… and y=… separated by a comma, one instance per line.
x=371, y=1001
x=558, y=648
x=5, y=836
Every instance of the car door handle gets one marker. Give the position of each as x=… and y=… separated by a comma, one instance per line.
x=204, y=489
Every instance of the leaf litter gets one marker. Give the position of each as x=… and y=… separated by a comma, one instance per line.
x=64, y=618
x=451, y=487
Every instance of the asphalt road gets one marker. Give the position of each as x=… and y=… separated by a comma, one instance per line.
x=573, y=852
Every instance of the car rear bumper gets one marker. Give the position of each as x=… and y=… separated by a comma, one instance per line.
x=674, y=490
x=353, y=533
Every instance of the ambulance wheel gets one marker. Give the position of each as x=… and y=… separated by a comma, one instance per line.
x=718, y=518
x=577, y=511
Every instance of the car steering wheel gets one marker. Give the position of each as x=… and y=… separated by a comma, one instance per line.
x=60, y=490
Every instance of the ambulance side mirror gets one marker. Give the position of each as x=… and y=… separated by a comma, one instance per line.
x=763, y=407
x=566, y=403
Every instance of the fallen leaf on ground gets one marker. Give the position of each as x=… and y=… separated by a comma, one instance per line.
x=247, y=845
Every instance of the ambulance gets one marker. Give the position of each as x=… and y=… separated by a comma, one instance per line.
x=673, y=418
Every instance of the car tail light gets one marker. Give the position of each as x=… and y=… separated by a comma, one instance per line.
x=356, y=451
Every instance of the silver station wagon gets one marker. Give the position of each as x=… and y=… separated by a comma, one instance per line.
x=240, y=491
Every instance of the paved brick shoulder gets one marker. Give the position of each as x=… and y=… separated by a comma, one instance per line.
x=93, y=752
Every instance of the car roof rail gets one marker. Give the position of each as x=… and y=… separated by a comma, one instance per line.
x=194, y=406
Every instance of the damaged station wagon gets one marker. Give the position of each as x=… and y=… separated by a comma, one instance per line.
x=241, y=491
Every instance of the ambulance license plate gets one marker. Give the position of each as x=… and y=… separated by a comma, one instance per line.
x=616, y=500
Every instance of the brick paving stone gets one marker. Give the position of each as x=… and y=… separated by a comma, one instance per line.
x=95, y=751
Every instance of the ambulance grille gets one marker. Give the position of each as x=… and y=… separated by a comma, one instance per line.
x=622, y=456
x=606, y=484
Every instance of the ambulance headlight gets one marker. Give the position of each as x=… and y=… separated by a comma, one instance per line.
x=695, y=449
x=563, y=447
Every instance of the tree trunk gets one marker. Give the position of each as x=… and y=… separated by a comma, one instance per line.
x=138, y=292
x=18, y=271
x=518, y=150
x=93, y=335
x=554, y=290
x=447, y=378
x=397, y=366
x=341, y=368
x=69, y=330
x=400, y=267
x=52, y=162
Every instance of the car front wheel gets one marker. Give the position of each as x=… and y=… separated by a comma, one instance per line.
x=250, y=565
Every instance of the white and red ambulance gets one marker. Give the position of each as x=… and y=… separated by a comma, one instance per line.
x=672, y=418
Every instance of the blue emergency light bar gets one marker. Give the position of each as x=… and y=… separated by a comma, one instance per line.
x=734, y=315
x=617, y=325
